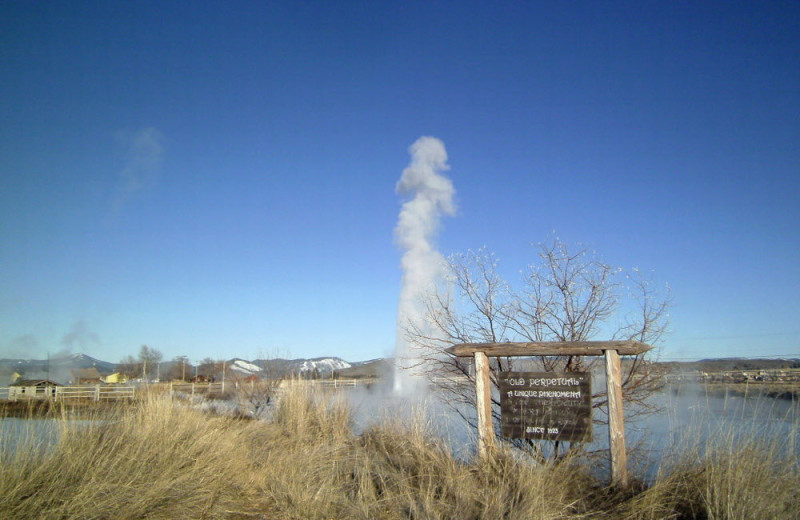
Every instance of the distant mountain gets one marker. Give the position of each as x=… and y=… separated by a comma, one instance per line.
x=245, y=368
x=321, y=367
x=58, y=368
x=324, y=365
x=367, y=369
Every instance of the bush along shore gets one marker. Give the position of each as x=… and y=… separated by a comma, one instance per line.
x=158, y=459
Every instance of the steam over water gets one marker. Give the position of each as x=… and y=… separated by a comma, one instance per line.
x=690, y=417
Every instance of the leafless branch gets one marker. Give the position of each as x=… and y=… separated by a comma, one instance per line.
x=565, y=296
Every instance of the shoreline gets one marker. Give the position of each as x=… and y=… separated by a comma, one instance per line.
x=785, y=391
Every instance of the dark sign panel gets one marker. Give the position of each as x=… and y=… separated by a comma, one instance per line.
x=546, y=405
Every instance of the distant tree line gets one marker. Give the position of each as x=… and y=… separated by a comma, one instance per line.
x=148, y=366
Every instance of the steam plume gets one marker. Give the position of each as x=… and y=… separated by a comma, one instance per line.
x=79, y=336
x=144, y=153
x=430, y=195
x=22, y=346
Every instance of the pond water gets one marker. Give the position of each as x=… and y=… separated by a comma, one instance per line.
x=32, y=434
x=687, y=417
x=694, y=417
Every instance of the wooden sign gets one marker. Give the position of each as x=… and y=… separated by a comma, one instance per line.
x=553, y=406
x=610, y=349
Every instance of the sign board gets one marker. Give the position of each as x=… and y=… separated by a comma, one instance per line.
x=611, y=350
x=553, y=406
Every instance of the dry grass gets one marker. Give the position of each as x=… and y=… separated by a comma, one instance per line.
x=147, y=460
x=159, y=460
x=736, y=476
x=315, y=468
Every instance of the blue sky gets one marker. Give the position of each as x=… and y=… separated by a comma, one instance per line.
x=217, y=178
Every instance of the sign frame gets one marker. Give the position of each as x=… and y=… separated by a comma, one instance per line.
x=611, y=350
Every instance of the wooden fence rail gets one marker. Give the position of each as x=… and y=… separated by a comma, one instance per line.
x=60, y=393
x=197, y=388
x=109, y=392
x=335, y=383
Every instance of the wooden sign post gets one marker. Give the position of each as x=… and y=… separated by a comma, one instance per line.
x=483, y=388
x=610, y=349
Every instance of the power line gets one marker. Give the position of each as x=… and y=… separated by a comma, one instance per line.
x=737, y=355
x=742, y=336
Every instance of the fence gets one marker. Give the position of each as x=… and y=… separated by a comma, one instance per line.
x=219, y=388
x=60, y=393
x=197, y=388
x=335, y=383
x=111, y=392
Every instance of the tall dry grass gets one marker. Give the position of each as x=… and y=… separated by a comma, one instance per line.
x=315, y=468
x=146, y=460
x=159, y=459
x=724, y=472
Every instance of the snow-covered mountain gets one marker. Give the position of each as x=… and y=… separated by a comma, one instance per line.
x=322, y=367
x=244, y=367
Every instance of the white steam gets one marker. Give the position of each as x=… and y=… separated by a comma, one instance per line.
x=430, y=195
x=144, y=151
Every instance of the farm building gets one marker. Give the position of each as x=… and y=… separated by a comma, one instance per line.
x=116, y=377
x=86, y=376
x=32, y=389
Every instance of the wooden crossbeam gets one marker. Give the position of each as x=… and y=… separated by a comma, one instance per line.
x=550, y=348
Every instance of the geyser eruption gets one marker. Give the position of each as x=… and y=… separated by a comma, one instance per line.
x=430, y=195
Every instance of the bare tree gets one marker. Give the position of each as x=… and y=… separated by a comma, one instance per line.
x=129, y=367
x=149, y=357
x=254, y=395
x=565, y=296
x=475, y=305
x=576, y=296
x=181, y=369
x=210, y=369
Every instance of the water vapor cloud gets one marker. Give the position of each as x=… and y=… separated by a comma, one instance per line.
x=25, y=345
x=144, y=151
x=430, y=195
x=79, y=336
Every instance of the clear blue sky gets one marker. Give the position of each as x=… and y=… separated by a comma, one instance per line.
x=217, y=178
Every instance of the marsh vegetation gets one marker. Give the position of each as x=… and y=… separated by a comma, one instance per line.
x=163, y=459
